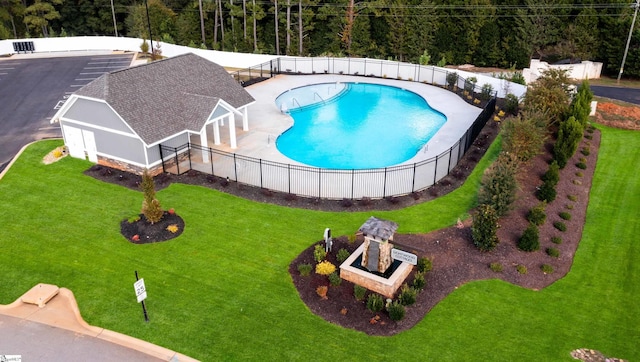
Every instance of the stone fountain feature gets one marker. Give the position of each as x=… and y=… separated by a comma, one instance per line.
x=371, y=265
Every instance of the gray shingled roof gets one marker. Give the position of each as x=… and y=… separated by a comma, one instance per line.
x=383, y=229
x=166, y=97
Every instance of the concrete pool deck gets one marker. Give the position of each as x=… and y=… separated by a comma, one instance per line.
x=267, y=122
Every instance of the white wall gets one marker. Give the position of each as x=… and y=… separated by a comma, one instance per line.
x=585, y=70
x=246, y=60
x=94, y=43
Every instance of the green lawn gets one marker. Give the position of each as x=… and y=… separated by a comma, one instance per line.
x=221, y=290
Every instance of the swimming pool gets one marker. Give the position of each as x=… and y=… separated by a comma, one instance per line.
x=355, y=125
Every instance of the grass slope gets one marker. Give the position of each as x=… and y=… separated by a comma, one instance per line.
x=222, y=291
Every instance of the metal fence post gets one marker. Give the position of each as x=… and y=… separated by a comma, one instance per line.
x=352, y=181
x=435, y=170
x=384, y=184
x=261, y=174
x=175, y=151
x=413, y=181
x=235, y=167
x=162, y=158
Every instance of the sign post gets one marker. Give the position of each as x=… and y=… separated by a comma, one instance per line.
x=141, y=294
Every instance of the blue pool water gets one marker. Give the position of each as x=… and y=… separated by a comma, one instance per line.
x=356, y=125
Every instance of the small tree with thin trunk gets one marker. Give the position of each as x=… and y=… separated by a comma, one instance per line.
x=150, y=206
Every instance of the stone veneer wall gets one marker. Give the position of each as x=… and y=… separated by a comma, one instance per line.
x=386, y=287
x=121, y=165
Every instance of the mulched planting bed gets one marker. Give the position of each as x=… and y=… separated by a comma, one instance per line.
x=151, y=233
x=455, y=260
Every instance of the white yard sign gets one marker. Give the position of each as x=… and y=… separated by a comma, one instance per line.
x=404, y=256
x=141, y=291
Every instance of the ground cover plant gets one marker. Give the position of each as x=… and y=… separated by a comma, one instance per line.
x=216, y=289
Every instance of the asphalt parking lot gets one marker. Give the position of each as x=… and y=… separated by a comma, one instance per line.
x=32, y=89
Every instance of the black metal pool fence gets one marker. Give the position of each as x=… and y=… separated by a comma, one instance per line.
x=313, y=182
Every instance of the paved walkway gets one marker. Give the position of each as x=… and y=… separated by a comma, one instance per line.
x=55, y=331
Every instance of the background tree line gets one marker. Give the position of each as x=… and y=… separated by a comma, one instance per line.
x=501, y=33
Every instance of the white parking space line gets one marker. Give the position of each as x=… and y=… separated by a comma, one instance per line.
x=89, y=73
x=7, y=68
x=4, y=73
x=115, y=66
x=83, y=79
x=77, y=85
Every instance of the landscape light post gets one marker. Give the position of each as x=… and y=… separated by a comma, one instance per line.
x=626, y=49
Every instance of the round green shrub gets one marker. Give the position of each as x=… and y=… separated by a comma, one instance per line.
x=419, y=281
x=375, y=302
x=581, y=165
x=546, y=192
x=424, y=265
x=546, y=268
x=585, y=151
x=342, y=255
x=496, y=267
x=396, y=311
x=556, y=240
x=334, y=279
x=565, y=215
x=552, y=175
x=318, y=253
x=530, y=239
x=359, y=291
x=408, y=295
x=305, y=269
x=560, y=225
x=521, y=269
x=572, y=197
x=553, y=252
x=579, y=174
x=537, y=214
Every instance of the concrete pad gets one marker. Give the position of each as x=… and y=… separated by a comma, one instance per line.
x=40, y=294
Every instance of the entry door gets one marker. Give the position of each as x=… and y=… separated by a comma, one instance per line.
x=75, y=144
x=90, y=145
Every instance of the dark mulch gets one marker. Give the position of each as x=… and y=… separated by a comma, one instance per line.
x=151, y=233
x=455, y=260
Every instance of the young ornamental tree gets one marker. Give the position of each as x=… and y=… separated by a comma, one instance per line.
x=499, y=184
x=150, y=206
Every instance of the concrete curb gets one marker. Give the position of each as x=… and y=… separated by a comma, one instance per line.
x=62, y=312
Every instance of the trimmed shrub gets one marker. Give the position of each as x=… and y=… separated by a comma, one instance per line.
x=351, y=238
x=334, y=279
x=572, y=197
x=523, y=136
x=546, y=268
x=579, y=174
x=565, y=215
x=569, y=135
x=359, y=291
x=569, y=206
x=486, y=92
x=424, y=265
x=375, y=302
x=512, y=103
x=305, y=269
x=452, y=79
x=419, y=282
x=485, y=228
x=325, y=268
x=560, y=225
x=537, y=214
x=585, y=151
x=553, y=252
x=408, y=295
x=547, y=192
x=396, y=311
x=521, y=269
x=552, y=176
x=499, y=185
x=319, y=253
x=581, y=165
x=342, y=255
x=530, y=239
x=556, y=240
x=496, y=267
